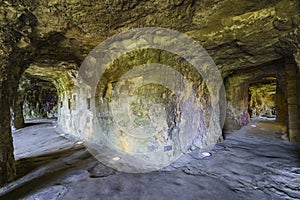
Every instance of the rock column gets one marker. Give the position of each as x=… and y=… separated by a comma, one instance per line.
x=293, y=100
x=7, y=161
x=281, y=107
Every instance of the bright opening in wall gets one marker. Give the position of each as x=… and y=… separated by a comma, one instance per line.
x=40, y=99
x=262, y=99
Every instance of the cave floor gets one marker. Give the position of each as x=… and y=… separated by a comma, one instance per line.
x=256, y=162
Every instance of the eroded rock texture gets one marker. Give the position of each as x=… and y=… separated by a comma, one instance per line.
x=51, y=39
x=262, y=99
x=39, y=99
x=237, y=89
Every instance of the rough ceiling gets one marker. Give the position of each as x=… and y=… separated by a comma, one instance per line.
x=237, y=33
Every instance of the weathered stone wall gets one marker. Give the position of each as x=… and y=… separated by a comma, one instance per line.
x=281, y=104
x=237, y=91
x=7, y=164
x=155, y=117
x=293, y=103
x=62, y=77
x=51, y=34
x=13, y=61
x=237, y=99
x=39, y=98
x=154, y=121
x=262, y=99
x=17, y=120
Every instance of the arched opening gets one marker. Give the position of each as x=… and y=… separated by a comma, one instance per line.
x=40, y=99
x=257, y=94
x=45, y=92
x=267, y=107
x=262, y=99
x=36, y=100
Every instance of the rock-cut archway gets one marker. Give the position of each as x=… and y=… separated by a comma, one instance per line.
x=35, y=99
x=259, y=92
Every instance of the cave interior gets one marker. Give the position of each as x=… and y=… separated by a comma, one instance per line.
x=47, y=45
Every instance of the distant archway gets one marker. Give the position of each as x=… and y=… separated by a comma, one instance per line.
x=40, y=99
x=262, y=99
x=258, y=93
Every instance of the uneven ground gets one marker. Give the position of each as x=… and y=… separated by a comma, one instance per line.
x=253, y=163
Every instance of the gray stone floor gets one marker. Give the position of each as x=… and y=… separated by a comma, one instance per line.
x=254, y=163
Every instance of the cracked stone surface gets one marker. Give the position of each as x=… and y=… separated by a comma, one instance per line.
x=255, y=162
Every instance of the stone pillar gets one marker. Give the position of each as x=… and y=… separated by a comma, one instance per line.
x=297, y=59
x=7, y=161
x=17, y=107
x=293, y=100
x=281, y=106
x=237, y=103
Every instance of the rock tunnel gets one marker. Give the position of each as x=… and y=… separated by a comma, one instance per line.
x=45, y=45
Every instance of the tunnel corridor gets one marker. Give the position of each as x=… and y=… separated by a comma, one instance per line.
x=261, y=98
x=119, y=94
x=56, y=144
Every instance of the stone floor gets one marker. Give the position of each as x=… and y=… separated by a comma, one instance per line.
x=254, y=163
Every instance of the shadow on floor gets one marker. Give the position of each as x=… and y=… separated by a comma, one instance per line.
x=33, y=171
x=32, y=122
x=26, y=165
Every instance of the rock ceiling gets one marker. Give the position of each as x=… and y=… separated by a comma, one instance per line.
x=236, y=33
